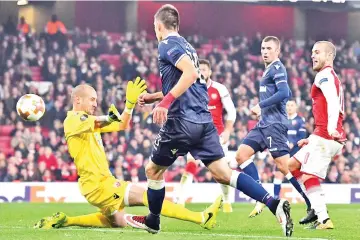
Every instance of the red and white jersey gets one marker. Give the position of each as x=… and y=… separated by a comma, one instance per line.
x=219, y=100
x=328, y=103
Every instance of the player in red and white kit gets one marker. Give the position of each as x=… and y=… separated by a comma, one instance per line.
x=312, y=160
x=219, y=100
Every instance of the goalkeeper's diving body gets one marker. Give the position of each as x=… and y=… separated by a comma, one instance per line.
x=100, y=188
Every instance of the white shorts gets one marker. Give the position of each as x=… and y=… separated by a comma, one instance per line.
x=316, y=156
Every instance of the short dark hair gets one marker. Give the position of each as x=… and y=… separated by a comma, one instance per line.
x=169, y=16
x=205, y=62
x=274, y=39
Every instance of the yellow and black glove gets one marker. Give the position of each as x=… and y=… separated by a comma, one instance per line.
x=133, y=91
x=114, y=115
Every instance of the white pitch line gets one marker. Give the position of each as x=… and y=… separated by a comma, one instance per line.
x=174, y=233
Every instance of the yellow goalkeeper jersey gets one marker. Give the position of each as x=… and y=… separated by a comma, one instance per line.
x=86, y=148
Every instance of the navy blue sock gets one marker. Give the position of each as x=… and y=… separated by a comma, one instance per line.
x=254, y=190
x=297, y=186
x=155, y=200
x=277, y=189
x=252, y=171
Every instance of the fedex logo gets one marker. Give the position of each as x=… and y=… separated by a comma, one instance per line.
x=32, y=194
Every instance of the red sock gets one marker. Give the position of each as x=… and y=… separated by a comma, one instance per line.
x=191, y=168
x=296, y=173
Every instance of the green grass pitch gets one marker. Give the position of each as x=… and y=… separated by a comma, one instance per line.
x=17, y=219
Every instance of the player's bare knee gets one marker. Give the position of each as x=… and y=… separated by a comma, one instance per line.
x=293, y=164
x=243, y=153
x=223, y=179
x=154, y=172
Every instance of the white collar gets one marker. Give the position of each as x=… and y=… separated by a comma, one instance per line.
x=172, y=34
x=209, y=84
x=273, y=62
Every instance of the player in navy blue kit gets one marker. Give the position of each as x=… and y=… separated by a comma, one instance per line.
x=296, y=132
x=187, y=126
x=271, y=130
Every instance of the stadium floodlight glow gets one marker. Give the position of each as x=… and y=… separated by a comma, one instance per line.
x=22, y=2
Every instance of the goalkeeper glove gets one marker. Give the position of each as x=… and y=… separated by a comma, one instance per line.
x=133, y=91
x=114, y=114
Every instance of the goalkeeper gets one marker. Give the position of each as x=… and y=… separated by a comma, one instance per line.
x=97, y=185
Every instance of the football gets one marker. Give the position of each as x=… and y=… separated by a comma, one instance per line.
x=30, y=107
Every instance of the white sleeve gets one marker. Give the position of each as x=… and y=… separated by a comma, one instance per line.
x=327, y=85
x=226, y=101
x=229, y=108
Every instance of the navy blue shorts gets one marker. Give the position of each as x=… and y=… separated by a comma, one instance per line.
x=178, y=137
x=273, y=137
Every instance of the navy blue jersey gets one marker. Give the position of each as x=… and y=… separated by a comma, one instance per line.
x=274, y=74
x=296, y=129
x=193, y=104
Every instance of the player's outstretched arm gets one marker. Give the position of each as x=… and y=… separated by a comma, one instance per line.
x=148, y=98
x=117, y=122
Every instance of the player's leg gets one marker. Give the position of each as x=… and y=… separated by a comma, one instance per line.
x=294, y=167
x=315, y=158
x=109, y=198
x=243, y=156
x=277, y=143
x=60, y=219
x=282, y=162
x=226, y=188
x=138, y=197
x=186, y=179
x=241, y=181
x=252, y=144
x=171, y=142
x=155, y=195
x=278, y=179
x=226, y=196
x=317, y=198
x=209, y=149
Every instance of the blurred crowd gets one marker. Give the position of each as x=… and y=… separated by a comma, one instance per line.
x=38, y=151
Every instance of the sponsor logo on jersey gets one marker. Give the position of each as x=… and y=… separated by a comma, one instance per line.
x=211, y=107
x=117, y=184
x=174, y=151
x=292, y=132
x=278, y=75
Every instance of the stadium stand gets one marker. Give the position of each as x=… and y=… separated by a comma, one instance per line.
x=37, y=63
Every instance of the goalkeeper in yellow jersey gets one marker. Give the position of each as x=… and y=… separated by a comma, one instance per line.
x=97, y=185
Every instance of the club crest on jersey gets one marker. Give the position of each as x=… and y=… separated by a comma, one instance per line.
x=293, y=122
x=214, y=96
x=262, y=88
x=117, y=184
